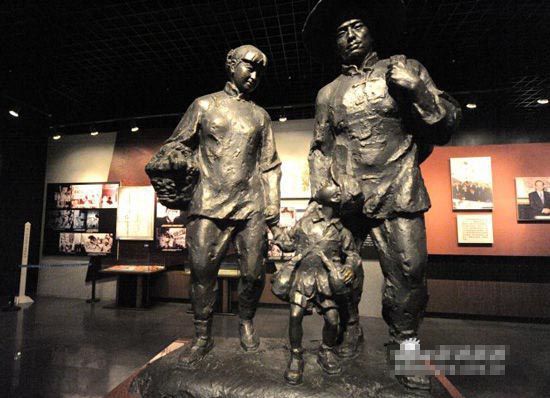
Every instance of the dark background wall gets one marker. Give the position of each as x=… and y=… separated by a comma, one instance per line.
x=22, y=168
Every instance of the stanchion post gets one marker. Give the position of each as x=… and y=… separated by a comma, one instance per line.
x=22, y=298
x=95, y=266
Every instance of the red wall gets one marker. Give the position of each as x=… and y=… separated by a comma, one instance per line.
x=510, y=237
x=132, y=153
x=508, y=161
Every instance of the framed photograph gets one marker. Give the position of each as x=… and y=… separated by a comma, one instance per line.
x=70, y=243
x=86, y=196
x=171, y=238
x=109, y=196
x=533, y=198
x=475, y=228
x=472, y=183
x=59, y=196
x=79, y=220
x=60, y=220
x=97, y=243
x=92, y=221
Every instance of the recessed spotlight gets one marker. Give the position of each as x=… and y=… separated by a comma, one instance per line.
x=14, y=112
x=134, y=129
x=471, y=105
x=283, y=119
x=56, y=137
x=94, y=132
x=542, y=101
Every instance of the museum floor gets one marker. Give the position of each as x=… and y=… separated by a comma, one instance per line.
x=67, y=348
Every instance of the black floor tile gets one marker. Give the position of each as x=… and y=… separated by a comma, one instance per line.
x=67, y=348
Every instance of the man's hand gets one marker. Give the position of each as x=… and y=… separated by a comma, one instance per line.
x=351, y=194
x=402, y=79
x=546, y=210
x=271, y=214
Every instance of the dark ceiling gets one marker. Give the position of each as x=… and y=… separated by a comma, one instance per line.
x=85, y=61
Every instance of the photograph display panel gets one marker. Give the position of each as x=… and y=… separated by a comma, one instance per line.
x=533, y=199
x=74, y=212
x=471, y=183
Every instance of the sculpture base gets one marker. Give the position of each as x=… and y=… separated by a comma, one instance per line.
x=228, y=371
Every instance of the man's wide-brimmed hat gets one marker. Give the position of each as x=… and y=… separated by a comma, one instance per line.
x=384, y=18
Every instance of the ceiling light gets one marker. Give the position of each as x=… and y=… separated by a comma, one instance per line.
x=134, y=128
x=56, y=137
x=282, y=119
x=542, y=101
x=94, y=133
x=471, y=105
x=14, y=112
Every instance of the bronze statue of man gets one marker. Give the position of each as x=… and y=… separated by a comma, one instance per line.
x=222, y=164
x=374, y=125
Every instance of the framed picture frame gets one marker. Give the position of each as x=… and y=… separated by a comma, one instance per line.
x=533, y=199
x=471, y=183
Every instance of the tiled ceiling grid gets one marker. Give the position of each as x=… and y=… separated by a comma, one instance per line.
x=86, y=60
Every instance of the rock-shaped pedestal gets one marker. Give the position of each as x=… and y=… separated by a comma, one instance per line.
x=229, y=372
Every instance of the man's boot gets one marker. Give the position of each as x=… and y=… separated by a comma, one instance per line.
x=295, y=370
x=414, y=382
x=249, y=339
x=202, y=343
x=351, y=340
x=327, y=359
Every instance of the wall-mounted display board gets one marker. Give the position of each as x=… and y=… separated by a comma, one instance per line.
x=472, y=183
x=136, y=213
x=511, y=237
x=80, y=218
x=474, y=229
x=533, y=198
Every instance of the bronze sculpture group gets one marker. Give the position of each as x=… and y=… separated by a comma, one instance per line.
x=374, y=124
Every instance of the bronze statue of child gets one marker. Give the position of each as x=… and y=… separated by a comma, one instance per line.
x=322, y=269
